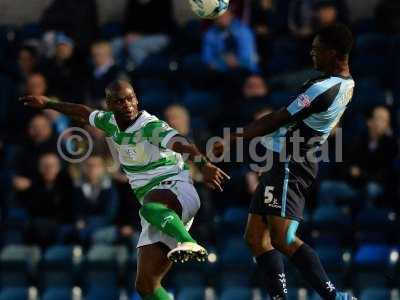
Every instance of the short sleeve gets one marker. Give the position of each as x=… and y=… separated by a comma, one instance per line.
x=316, y=98
x=159, y=133
x=101, y=120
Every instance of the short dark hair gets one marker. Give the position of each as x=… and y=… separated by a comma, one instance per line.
x=337, y=37
x=116, y=86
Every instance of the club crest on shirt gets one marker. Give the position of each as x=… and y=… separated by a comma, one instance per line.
x=303, y=101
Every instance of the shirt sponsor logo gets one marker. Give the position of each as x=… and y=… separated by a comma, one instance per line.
x=303, y=101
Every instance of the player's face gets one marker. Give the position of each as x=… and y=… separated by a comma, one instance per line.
x=123, y=103
x=322, y=56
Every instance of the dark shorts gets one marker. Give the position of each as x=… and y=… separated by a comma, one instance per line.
x=283, y=189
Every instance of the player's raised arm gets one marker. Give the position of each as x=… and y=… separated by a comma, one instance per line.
x=265, y=125
x=260, y=127
x=77, y=112
x=214, y=177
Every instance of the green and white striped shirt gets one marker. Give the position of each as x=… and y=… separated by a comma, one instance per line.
x=142, y=150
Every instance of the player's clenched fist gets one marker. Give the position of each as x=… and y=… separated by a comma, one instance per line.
x=35, y=101
x=214, y=176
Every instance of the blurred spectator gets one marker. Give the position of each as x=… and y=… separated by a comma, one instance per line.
x=368, y=170
x=148, y=25
x=26, y=64
x=266, y=23
x=104, y=72
x=178, y=117
x=76, y=18
x=253, y=97
x=48, y=200
x=229, y=45
x=35, y=85
x=306, y=16
x=372, y=156
x=95, y=197
x=388, y=16
x=326, y=14
x=40, y=140
x=255, y=88
x=63, y=71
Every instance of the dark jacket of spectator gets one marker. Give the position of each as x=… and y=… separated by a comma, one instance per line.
x=53, y=202
x=388, y=16
x=77, y=18
x=375, y=160
x=96, y=202
x=149, y=17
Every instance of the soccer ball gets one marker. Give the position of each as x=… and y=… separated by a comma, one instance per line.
x=209, y=9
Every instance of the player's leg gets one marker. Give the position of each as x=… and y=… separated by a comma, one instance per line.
x=163, y=210
x=269, y=260
x=306, y=260
x=152, y=266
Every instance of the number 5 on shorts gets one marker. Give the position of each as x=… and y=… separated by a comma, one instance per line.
x=268, y=196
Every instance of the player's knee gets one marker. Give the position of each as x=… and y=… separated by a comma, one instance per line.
x=285, y=241
x=144, y=286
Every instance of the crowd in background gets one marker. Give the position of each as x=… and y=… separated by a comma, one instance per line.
x=199, y=77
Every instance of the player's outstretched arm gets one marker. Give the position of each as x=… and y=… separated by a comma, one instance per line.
x=265, y=125
x=259, y=127
x=77, y=112
x=213, y=176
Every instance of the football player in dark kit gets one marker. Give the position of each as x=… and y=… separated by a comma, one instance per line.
x=277, y=206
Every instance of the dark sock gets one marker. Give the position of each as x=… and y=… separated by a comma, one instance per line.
x=307, y=262
x=272, y=269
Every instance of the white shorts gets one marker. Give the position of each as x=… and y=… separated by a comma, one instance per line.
x=190, y=202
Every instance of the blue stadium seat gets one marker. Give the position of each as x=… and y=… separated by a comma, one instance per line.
x=57, y=294
x=101, y=293
x=235, y=253
x=57, y=267
x=14, y=294
x=375, y=294
x=315, y=296
x=331, y=218
x=235, y=218
x=15, y=263
x=230, y=279
x=236, y=294
x=372, y=255
x=101, y=266
x=366, y=221
x=370, y=268
x=183, y=279
x=191, y=293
